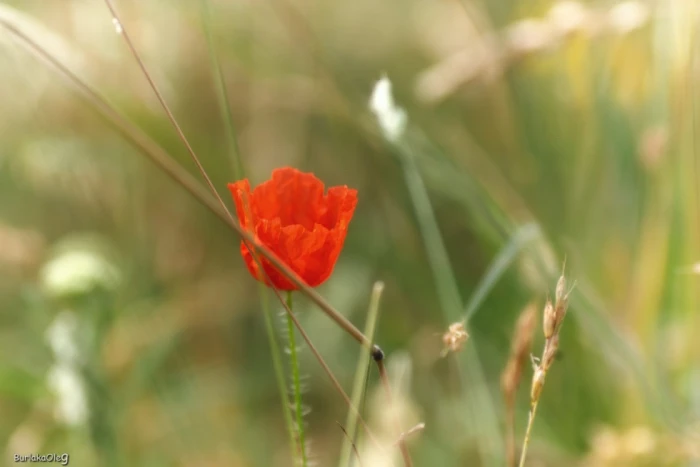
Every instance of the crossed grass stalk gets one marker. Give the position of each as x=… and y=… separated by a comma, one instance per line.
x=217, y=206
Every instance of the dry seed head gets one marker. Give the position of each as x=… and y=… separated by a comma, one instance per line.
x=454, y=338
x=537, y=384
x=549, y=322
x=560, y=292
x=560, y=307
x=550, y=351
x=559, y=314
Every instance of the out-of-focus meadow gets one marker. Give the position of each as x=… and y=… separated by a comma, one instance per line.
x=131, y=333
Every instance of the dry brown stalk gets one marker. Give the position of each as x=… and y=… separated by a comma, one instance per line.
x=512, y=374
x=554, y=314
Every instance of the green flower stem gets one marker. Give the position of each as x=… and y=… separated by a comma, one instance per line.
x=296, y=383
x=279, y=370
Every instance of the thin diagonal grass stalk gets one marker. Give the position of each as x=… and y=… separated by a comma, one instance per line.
x=352, y=444
x=162, y=160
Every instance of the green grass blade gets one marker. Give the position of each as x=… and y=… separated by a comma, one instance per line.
x=448, y=292
x=359, y=384
x=491, y=443
x=222, y=96
x=522, y=237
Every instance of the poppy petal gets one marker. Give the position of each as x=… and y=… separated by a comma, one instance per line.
x=292, y=217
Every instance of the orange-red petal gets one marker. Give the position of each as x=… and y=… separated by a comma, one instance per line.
x=292, y=217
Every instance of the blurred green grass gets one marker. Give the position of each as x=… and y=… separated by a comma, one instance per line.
x=590, y=139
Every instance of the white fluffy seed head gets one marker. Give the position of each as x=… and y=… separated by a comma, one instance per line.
x=392, y=118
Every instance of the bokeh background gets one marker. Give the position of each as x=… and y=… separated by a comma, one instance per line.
x=132, y=334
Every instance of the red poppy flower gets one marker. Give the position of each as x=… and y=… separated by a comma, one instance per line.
x=292, y=217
